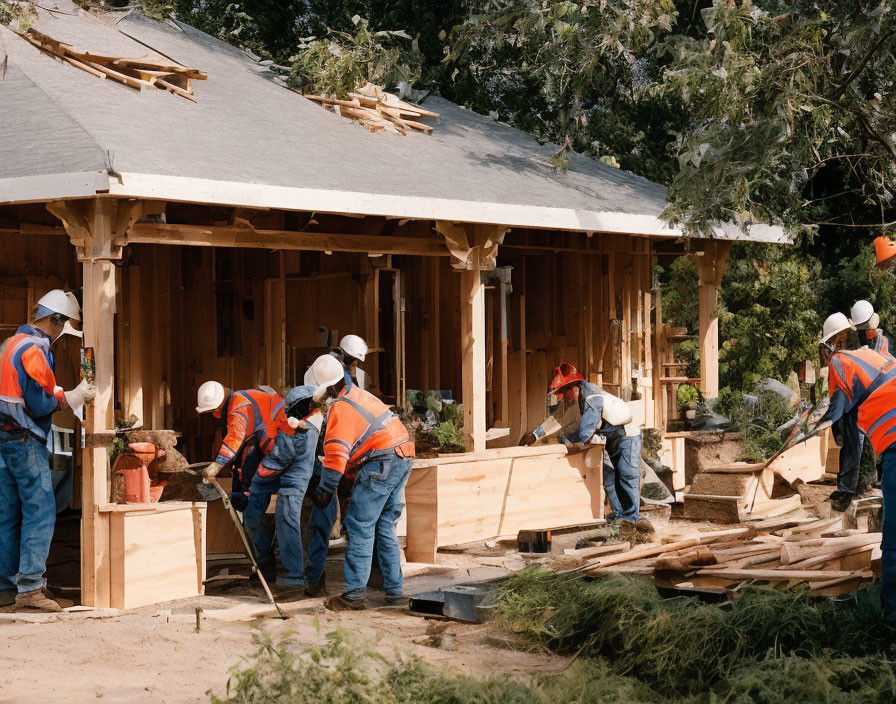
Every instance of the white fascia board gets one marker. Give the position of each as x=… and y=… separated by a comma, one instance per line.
x=193, y=190
x=28, y=189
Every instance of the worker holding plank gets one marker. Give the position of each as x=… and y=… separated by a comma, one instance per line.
x=864, y=381
x=583, y=412
x=287, y=471
x=28, y=398
x=364, y=436
x=251, y=420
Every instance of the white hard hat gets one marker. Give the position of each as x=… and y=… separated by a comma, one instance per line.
x=834, y=325
x=61, y=302
x=354, y=346
x=210, y=396
x=308, y=379
x=325, y=372
x=861, y=312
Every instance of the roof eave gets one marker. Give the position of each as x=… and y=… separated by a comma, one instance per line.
x=31, y=189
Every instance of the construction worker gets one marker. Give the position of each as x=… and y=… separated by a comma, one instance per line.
x=365, y=437
x=846, y=431
x=28, y=398
x=865, y=381
x=252, y=419
x=581, y=411
x=288, y=469
x=867, y=322
x=351, y=352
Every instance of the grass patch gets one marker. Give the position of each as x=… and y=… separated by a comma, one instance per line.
x=681, y=645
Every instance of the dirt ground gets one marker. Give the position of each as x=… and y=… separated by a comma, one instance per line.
x=156, y=654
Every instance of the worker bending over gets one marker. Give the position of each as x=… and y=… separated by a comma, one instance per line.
x=363, y=435
x=286, y=471
x=846, y=430
x=581, y=411
x=252, y=419
x=862, y=381
x=28, y=398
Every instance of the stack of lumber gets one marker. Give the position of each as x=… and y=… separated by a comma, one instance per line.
x=736, y=492
x=378, y=110
x=831, y=560
x=136, y=73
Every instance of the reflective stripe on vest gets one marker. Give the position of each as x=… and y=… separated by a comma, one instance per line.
x=10, y=390
x=375, y=424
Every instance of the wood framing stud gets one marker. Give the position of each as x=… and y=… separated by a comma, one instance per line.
x=710, y=258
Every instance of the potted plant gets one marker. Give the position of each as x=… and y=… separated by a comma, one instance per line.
x=688, y=400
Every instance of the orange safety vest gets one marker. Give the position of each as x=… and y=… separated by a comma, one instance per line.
x=877, y=341
x=868, y=379
x=360, y=427
x=255, y=412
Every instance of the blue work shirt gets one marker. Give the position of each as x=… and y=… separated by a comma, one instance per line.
x=292, y=458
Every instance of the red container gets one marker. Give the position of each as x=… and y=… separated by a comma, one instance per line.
x=133, y=465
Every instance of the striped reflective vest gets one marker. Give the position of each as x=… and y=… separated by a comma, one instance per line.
x=360, y=427
x=257, y=413
x=28, y=391
x=877, y=340
x=868, y=380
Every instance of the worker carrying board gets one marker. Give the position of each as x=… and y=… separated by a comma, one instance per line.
x=28, y=398
x=582, y=413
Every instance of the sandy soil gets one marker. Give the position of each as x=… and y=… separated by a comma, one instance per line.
x=155, y=654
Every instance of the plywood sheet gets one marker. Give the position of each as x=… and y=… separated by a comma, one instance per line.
x=157, y=557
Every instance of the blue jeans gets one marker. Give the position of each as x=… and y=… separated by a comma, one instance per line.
x=288, y=515
x=888, y=542
x=27, y=512
x=260, y=491
x=850, y=452
x=622, y=475
x=320, y=526
x=376, y=506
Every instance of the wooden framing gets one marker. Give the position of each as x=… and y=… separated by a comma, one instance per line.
x=442, y=319
x=710, y=258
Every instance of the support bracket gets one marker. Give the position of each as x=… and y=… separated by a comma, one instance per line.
x=465, y=241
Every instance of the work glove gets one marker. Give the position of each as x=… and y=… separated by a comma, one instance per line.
x=212, y=470
x=528, y=439
x=85, y=391
x=321, y=497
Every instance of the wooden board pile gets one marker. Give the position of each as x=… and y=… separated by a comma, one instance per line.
x=378, y=110
x=136, y=73
x=818, y=552
x=736, y=492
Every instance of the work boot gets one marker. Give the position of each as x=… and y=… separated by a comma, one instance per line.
x=340, y=603
x=317, y=589
x=840, y=500
x=36, y=600
x=396, y=599
x=7, y=597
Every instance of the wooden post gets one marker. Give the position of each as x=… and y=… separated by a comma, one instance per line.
x=473, y=347
x=710, y=266
x=99, y=326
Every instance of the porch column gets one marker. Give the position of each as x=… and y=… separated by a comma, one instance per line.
x=710, y=259
x=474, y=249
x=91, y=226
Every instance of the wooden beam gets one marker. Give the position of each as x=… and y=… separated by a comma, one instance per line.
x=710, y=261
x=99, y=333
x=473, y=336
x=229, y=236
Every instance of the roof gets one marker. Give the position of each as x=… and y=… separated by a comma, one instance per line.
x=249, y=141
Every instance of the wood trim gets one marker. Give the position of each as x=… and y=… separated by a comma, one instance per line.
x=230, y=236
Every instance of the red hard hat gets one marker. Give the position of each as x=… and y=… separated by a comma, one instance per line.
x=564, y=375
x=885, y=249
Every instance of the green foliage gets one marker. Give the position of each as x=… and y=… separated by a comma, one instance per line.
x=683, y=646
x=342, y=62
x=448, y=436
x=687, y=394
x=21, y=11
x=758, y=423
x=790, y=103
x=770, y=318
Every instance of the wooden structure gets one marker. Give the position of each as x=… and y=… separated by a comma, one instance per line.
x=238, y=244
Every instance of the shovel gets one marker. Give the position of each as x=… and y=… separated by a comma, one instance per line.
x=210, y=490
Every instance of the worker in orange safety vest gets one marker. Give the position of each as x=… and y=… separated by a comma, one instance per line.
x=365, y=438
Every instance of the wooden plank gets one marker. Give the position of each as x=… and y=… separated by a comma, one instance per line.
x=231, y=236
x=99, y=333
x=473, y=336
x=158, y=556
x=422, y=511
x=775, y=575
